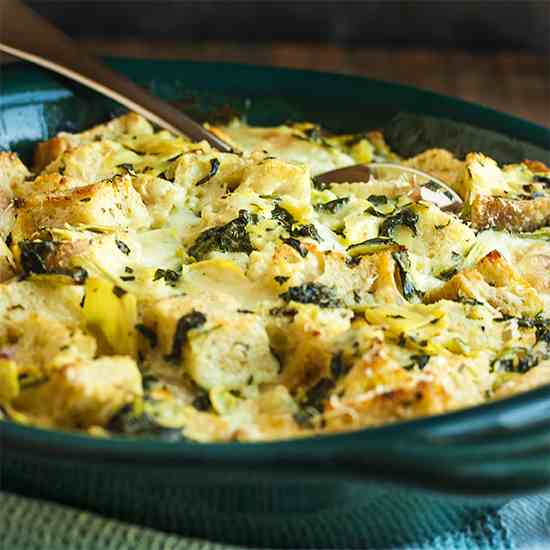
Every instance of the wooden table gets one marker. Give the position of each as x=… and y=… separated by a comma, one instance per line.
x=513, y=82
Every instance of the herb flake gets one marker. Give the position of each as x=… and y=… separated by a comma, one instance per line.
x=312, y=293
x=187, y=322
x=214, y=167
x=231, y=237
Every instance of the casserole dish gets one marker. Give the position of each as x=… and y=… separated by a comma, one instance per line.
x=269, y=493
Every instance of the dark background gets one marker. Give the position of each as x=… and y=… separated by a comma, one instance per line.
x=493, y=52
x=492, y=24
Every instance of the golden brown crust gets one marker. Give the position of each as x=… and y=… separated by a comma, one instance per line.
x=536, y=166
x=488, y=212
x=112, y=203
x=492, y=281
x=12, y=171
x=48, y=151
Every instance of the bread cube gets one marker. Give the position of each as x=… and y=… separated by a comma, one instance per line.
x=110, y=203
x=130, y=124
x=493, y=281
x=85, y=393
x=216, y=345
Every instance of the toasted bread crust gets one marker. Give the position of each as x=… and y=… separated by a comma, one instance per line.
x=509, y=214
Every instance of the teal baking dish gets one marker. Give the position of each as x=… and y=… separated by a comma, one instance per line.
x=332, y=491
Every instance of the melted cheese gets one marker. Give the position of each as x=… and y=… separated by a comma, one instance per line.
x=154, y=286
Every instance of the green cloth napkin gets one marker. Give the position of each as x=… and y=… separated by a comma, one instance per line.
x=28, y=524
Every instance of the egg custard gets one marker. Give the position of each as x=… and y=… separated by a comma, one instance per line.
x=152, y=286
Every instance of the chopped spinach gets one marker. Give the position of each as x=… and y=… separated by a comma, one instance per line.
x=34, y=256
x=447, y=274
x=202, y=402
x=286, y=219
x=187, y=322
x=403, y=264
x=27, y=380
x=313, y=135
x=119, y=292
x=128, y=167
x=283, y=312
x=170, y=276
x=469, y=301
x=283, y=216
x=378, y=200
x=148, y=380
x=338, y=366
x=122, y=246
x=371, y=246
x=419, y=360
x=438, y=227
x=297, y=245
x=515, y=360
x=539, y=323
x=319, y=184
x=78, y=274
x=306, y=230
x=318, y=393
x=148, y=333
x=231, y=237
x=333, y=206
x=406, y=217
x=214, y=167
x=312, y=293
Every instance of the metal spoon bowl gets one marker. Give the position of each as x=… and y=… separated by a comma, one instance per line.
x=428, y=188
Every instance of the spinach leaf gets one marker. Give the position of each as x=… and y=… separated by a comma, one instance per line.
x=231, y=237
x=403, y=265
x=187, y=322
x=214, y=167
x=170, y=276
x=406, y=217
x=419, y=360
x=122, y=246
x=333, y=206
x=518, y=360
x=312, y=293
x=34, y=260
x=283, y=216
x=297, y=245
x=148, y=333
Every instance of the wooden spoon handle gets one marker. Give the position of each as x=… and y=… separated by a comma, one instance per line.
x=27, y=35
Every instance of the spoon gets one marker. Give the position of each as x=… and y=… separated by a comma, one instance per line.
x=428, y=188
x=28, y=36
